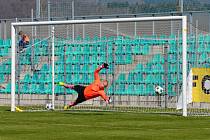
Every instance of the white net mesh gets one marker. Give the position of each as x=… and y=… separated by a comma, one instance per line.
x=142, y=55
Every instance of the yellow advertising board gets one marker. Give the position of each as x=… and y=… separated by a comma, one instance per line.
x=201, y=84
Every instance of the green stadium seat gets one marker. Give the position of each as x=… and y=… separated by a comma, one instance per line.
x=130, y=90
x=34, y=88
x=172, y=49
x=85, y=79
x=45, y=77
x=120, y=59
x=110, y=90
x=148, y=68
x=1, y=42
x=2, y=79
x=191, y=49
x=157, y=59
x=69, y=59
x=128, y=49
x=4, y=51
x=76, y=59
x=149, y=79
x=2, y=70
x=45, y=68
x=77, y=50
x=145, y=49
x=121, y=78
x=85, y=69
x=25, y=88
x=172, y=78
x=171, y=91
x=110, y=58
x=120, y=89
x=94, y=49
x=76, y=68
x=139, y=68
x=25, y=60
x=128, y=59
x=35, y=78
x=42, y=88
x=139, y=90
x=59, y=90
x=203, y=58
x=172, y=58
x=120, y=49
x=137, y=49
x=158, y=68
x=192, y=58
x=131, y=78
x=138, y=78
x=69, y=49
x=102, y=59
x=76, y=78
x=86, y=59
x=7, y=43
x=173, y=68
x=149, y=89
x=158, y=79
x=59, y=69
x=69, y=69
x=59, y=78
x=27, y=79
x=87, y=49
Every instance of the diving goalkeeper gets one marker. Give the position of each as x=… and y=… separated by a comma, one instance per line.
x=91, y=91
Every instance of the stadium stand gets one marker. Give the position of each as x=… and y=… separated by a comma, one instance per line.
x=82, y=59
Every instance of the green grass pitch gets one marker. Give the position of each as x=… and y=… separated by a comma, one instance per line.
x=75, y=125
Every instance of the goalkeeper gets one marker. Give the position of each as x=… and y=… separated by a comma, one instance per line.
x=91, y=91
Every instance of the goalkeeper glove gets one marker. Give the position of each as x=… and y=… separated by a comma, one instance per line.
x=105, y=65
x=109, y=101
x=61, y=83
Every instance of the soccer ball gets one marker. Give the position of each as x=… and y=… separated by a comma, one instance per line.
x=158, y=90
x=49, y=106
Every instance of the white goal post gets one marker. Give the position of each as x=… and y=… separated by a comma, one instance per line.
x=14, y=26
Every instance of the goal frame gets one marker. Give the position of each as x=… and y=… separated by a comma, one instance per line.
x=89, y=21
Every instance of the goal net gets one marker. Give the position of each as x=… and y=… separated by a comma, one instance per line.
x=144, y=53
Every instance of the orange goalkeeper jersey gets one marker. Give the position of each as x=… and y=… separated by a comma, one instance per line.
x=93, y=89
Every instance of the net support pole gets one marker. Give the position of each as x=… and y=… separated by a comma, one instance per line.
x=53, y=65
x=13, y=50
x=184, y=64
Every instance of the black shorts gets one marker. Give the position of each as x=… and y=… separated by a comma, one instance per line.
x=80, y=90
